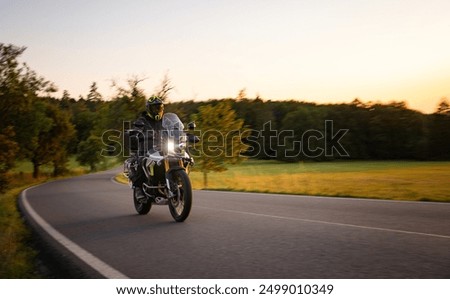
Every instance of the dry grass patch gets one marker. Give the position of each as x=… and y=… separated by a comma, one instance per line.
x=387, y=180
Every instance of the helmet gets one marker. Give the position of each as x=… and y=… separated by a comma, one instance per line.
x=155, y=107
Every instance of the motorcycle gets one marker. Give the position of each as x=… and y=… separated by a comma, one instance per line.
x=166, y=169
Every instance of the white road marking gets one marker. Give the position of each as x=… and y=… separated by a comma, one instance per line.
x=328, y=223
x=394, y=201
x=104, y=269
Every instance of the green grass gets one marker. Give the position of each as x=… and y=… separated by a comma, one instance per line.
x=17, y=255
x=73, y=166
x=401, y=180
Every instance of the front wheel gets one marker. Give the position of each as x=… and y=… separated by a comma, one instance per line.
x=180, y=204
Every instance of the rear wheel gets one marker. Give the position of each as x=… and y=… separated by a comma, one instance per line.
x=180, y=204
x=142, y=207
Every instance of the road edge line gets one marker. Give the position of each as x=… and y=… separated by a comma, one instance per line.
x=92, y=261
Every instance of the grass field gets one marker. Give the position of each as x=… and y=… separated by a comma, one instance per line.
x=74, y=167
x=402, y=180
x=16, y=253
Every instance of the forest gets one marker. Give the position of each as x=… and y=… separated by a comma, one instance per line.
x=47, y=130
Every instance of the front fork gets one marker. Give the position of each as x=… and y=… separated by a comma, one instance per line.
x=169, y=168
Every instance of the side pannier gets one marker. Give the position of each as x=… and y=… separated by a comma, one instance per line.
x=131, y=140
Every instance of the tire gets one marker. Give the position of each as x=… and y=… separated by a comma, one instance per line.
x=180, y=205
x=141, y=208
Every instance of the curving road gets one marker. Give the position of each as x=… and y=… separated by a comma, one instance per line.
x=90, y=221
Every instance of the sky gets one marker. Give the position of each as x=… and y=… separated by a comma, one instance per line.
x=323, y=51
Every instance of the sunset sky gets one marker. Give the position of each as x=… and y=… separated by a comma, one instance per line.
x=323, y=51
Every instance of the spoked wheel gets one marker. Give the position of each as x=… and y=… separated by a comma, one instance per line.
x=141, y=207
x=180, y=204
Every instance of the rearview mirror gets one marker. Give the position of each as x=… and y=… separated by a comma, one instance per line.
x=191, y=125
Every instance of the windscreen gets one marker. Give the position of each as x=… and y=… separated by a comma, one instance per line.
x=172, y=122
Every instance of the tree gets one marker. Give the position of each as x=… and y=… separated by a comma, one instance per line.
x=93, y=98
x=101, y=129
x=13, y=92
x=221, y=134
x=303, y=135
x=19, y=90
x=94, y=95
x=164, y=88
x=133, y=92
x=257, y=115
x=49, y=133
x=439, y=133
x=443, y=107
x=19, y=85
x=89, y=152
x=242, y=94
x=61, y=137
x=8, y=150
x=84, y=121
x=395, y=132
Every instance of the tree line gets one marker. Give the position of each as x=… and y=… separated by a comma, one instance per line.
x=293, y=131
x=41, y=128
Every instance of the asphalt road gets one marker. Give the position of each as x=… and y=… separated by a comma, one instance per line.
x=91, y=221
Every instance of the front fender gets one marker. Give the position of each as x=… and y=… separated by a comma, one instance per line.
x=174, y=168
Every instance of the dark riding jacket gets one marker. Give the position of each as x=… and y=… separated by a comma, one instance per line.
x=150, y=133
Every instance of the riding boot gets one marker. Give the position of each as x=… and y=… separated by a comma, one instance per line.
x=139, y=193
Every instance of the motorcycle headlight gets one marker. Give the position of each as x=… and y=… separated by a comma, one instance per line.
x=171, y=147
x=174, y=148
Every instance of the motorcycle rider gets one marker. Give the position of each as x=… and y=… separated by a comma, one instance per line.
x=149, y=125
